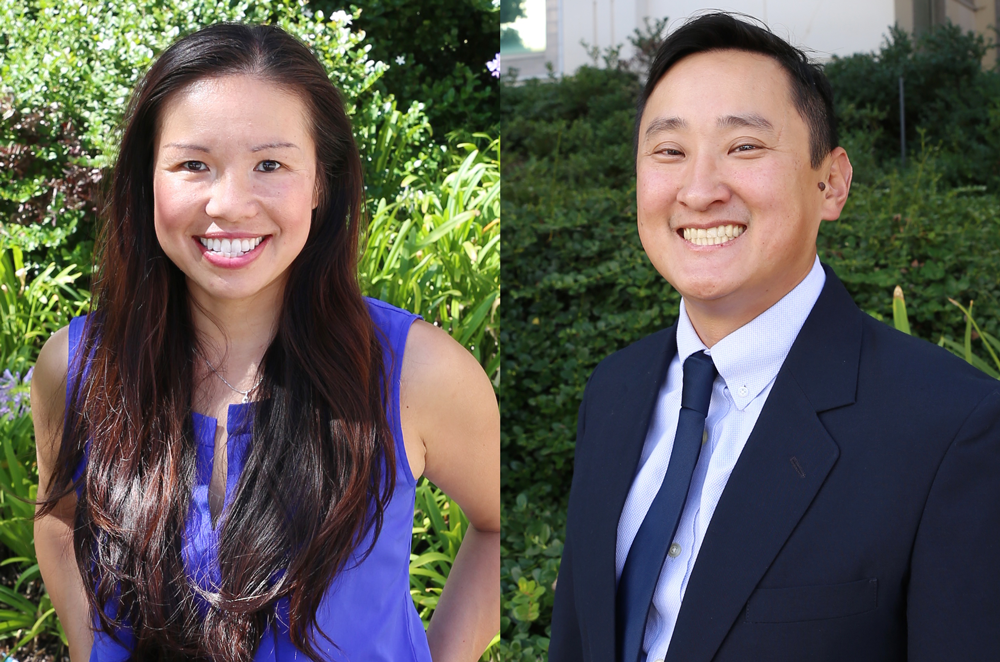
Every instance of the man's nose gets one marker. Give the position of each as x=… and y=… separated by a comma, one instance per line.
x=231, y=198
x=703, y=183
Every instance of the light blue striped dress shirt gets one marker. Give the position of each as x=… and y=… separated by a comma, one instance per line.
x=748, y=360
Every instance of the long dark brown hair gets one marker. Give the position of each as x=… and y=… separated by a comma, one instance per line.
x=321, y=468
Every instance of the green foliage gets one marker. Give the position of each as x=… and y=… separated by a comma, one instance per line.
x=439, y=526
x=436, y=250
x=31, y=311
x=531, y=548
x=949, y=97
x=964, y=349
x=41, y=181
x=28, y=614
x=938, y=243
x=27, y=611
x=436, y=51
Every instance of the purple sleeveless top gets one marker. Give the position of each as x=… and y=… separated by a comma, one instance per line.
x=367, y=611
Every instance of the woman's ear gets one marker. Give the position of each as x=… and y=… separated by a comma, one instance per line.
x=837, y=184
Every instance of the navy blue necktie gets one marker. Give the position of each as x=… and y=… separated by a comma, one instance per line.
x=649, y=549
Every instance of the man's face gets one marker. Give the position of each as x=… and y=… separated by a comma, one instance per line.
x=723, y=151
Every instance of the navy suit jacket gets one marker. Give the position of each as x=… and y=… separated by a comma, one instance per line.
x=861, y=522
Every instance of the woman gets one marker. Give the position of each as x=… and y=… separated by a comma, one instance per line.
x=228, y=444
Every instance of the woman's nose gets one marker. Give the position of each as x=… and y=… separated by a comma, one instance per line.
x=231, y=198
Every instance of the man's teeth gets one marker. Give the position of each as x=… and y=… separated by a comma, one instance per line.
x=231, y=248
x=712, y=236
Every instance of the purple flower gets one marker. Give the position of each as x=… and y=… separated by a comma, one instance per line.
x=494, y=66
x=13, y=392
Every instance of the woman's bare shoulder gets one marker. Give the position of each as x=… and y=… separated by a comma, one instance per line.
x=454, y=411
x=48, y=395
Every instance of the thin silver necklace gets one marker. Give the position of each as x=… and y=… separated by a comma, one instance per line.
x=245, y=394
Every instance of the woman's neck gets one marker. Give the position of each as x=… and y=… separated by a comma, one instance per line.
x=233, y=334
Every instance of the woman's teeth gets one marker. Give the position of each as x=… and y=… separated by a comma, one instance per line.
x=713, y=236
x=231, y=248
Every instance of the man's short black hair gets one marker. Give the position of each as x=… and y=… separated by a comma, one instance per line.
x=811, y=91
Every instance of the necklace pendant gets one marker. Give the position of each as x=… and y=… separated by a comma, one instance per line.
x=246, y=397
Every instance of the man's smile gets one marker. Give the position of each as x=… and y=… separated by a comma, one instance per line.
x=720, y=234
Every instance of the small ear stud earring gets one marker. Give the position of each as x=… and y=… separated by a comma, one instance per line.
x=822, y=186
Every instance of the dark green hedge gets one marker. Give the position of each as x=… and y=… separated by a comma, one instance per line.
x=950, y=101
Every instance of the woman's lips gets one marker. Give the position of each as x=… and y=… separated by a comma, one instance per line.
x=231, y=259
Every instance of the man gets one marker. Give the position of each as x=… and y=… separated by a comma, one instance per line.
x=777, y=476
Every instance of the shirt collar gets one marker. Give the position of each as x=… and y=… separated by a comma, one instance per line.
x=749, y=358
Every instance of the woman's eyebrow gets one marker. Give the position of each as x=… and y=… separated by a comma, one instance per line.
x=196, y=148
x=255, y=148
x=258, y=148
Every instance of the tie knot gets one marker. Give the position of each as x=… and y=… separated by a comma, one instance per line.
x=699, y=374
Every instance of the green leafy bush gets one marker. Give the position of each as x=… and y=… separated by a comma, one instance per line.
x=949, y=97
x=436, y=251
x=938, y=243
x=437, y=52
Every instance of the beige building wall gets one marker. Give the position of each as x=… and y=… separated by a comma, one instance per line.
x=978, y=16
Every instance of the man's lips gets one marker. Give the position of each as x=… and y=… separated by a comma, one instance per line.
x=713, y=236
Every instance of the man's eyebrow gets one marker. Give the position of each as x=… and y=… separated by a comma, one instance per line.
x=752, y=120
x=665, y=124
x=255, y=148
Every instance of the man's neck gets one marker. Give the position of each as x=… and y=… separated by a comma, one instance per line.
x=713, y=320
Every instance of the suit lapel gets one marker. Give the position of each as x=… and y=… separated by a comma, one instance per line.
x=783, y=465
x=616, y=433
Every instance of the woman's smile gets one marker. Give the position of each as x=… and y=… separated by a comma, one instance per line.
x=232, y=252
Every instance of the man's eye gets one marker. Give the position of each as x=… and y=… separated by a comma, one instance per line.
x=745, y=148
x=268, y=166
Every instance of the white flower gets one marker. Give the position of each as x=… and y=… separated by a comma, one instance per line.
x=400, y=60
x=341, y=16
x=494, y=66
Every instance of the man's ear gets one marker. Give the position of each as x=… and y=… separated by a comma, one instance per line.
x=838, y=184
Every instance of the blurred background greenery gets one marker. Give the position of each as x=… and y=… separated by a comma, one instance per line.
x=424, y=106
x=578, y=285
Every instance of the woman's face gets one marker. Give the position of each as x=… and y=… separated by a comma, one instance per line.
x=234, y=185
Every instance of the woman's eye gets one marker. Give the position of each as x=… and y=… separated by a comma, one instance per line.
x=193, y=166
x=268, y=166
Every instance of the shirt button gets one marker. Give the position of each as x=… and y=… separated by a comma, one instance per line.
x=674, y=551
x=743, y=391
